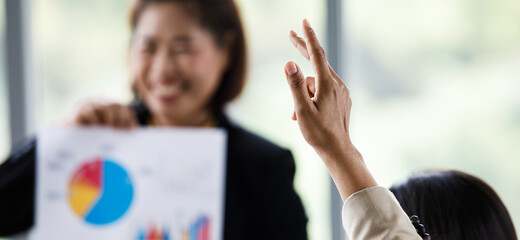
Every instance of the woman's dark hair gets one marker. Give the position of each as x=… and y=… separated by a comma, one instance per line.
x=455, y=205
x=222, y=20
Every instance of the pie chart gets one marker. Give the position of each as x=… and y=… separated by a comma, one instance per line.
x=100, y=191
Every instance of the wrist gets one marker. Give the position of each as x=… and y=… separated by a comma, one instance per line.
x=338, y=152
x=347, y=168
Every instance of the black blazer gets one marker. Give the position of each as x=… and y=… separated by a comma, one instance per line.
x=260, y=201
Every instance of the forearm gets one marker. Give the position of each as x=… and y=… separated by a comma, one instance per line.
x=347, y=168
x=322, y=109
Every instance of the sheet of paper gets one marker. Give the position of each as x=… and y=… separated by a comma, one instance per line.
x=152, y=183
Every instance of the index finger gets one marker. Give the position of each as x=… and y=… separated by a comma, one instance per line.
x=316, y=52
x=300, y=44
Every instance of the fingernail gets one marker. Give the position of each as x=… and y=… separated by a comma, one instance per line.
x=291, y=68
x=306, y=22
x=293, y=33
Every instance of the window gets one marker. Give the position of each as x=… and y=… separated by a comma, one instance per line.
x=435, y=86
x=5, y=141
x=4, y=113
x=80, y=49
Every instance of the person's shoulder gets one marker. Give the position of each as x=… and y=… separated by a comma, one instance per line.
x=248, y=143
x=254, y=143
x=257, y=160
x=24, y=150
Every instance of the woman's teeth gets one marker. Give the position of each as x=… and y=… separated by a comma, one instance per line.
x=169, y=90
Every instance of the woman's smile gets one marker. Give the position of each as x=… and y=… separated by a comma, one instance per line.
x=170, y=92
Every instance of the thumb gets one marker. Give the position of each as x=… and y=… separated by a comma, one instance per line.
x=298, y=85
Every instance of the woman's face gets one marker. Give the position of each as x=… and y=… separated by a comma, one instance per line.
x=176, y=64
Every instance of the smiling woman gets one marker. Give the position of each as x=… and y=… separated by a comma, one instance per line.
x=187, y=61
x=81, y=50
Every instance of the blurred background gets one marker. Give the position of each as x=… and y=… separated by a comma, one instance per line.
x=435, y=84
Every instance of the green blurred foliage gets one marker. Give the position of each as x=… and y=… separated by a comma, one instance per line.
x=435, y=86
x=81, y=52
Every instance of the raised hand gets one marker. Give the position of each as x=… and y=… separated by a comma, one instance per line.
x=322, y=108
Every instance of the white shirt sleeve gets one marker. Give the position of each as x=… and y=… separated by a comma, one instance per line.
x=374, y=213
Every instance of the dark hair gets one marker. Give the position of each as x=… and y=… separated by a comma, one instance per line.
x=455, y=205
x=222, y=20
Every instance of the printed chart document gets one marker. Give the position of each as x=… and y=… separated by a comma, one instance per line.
x=150, y=183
